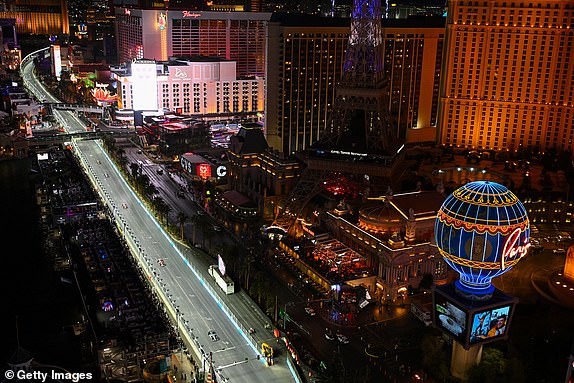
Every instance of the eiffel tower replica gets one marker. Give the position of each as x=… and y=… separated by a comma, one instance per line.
x=360, y=139
x=360, y=120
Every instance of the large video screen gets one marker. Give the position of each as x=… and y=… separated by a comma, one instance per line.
x=450, y=317
x=489, y=324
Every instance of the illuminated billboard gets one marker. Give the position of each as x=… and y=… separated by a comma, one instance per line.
x=144, y=85
x=56, y=61
x=472, y=322
x=450, y=318
x=489, y=324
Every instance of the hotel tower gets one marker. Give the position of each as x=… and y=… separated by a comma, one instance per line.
x=507, y=78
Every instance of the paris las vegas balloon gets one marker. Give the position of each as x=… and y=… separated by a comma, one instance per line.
x=482, y=230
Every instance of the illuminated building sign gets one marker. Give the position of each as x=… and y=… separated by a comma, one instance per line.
x=127, y=12
x=161, y=21
x=82, y=29
x=482, y=230
x=204, y=171
x=221, y=171
x=190, y=14
x=177, y=73
x=513, y=249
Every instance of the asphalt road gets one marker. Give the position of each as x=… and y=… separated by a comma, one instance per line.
x=188, y=292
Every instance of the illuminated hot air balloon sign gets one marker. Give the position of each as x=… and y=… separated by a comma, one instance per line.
x=482, y=230
x=102, y=95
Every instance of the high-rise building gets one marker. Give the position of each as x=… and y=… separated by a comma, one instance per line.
x=160, y=34
x=506, y=79
x=305, y=61
x=38, y=16
x=412, y=61
x=305, y=56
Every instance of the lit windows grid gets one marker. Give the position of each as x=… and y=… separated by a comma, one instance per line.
x=311, y=67
x=518, y=92
x=242, y=41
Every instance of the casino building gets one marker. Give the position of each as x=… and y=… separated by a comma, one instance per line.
x=39, y=17
x=160, y=34
x=205, y=87
x=395, y=234
x=505, y=84
x=262, y=174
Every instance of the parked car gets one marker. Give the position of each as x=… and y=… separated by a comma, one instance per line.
x=559, y=251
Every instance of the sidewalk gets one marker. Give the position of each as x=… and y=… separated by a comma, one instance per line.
x=183, y=368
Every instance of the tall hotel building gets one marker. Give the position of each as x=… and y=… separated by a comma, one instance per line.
x=161, y=34
x=40, y=17
x=508, y=79
x=305, y=61
x=412, y=62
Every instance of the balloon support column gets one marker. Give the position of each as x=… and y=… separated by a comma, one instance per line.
x=461, y=360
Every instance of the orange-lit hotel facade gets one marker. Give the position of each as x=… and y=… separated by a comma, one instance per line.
x=40, y=17
x=507, y=81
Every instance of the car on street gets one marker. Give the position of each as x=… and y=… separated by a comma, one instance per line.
x=342, y=338
x=216, y=228
x=559, y=251
x=161, y=262
x=310, y=311
x=329, y=335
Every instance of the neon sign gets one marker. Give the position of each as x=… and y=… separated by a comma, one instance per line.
x=512, y=248
x=179, y=73
x=221, y=171
x=161, y=21
x=204, y=170
x=190, y=14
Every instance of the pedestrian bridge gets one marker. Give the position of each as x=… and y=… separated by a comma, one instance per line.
x=77, y=107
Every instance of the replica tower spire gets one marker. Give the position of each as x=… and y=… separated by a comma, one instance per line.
x=360, y=121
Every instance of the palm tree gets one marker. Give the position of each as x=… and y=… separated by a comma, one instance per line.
x=135, y=169
x=181, y=219
x=164, y=210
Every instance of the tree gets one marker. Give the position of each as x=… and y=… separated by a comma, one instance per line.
x=135, y=170
x=435, y=359
x=181, y=219
x=491, y=368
